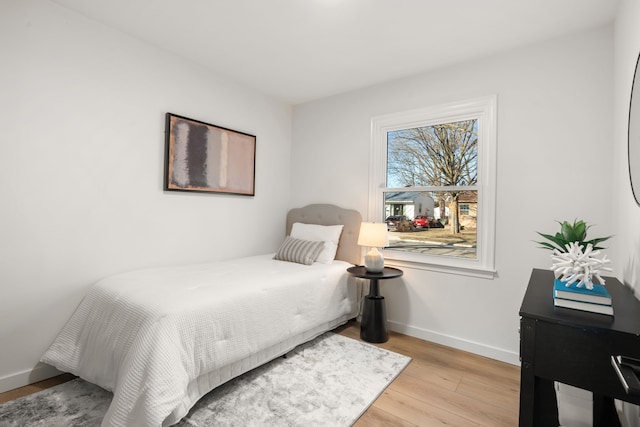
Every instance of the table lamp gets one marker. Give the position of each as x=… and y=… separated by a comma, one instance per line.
x=375, y=236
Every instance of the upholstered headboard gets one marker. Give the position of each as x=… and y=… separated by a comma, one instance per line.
x=324, y=214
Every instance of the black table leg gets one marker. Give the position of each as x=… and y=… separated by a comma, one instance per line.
x=374, y=320
x=546, y=404
x=604, y=412
x=374, y=316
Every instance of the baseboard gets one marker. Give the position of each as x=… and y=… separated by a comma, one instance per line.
x=459, y=343
x=39, y=373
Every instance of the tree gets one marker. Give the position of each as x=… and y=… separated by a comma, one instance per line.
x=437, y=155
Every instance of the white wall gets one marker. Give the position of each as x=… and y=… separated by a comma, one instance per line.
x=554, y=163
x=626, y=212
x=82, y=118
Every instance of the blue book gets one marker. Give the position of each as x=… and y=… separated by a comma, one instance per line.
x=597, y=295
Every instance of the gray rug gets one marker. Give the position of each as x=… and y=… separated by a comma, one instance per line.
x=329, y=381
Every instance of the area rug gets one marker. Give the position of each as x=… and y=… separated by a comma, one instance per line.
x=329, y=381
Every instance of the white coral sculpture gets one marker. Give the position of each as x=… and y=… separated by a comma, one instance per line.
x=580, y=266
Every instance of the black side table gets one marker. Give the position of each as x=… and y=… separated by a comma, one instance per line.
x=373, y=327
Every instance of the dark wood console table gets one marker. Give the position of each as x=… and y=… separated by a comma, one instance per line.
x=575, y=348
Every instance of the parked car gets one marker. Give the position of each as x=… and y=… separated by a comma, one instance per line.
x=423, y=221
x=394, y=220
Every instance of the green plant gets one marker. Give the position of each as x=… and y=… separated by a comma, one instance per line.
x=576, y=232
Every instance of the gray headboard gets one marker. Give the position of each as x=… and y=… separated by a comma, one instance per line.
x=324, y=214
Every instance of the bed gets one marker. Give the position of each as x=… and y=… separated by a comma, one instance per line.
x=161, y=338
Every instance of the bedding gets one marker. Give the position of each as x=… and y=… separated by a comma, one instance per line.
x=160, y=339
x=155, y=337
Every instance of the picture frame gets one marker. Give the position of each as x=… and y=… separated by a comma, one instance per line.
x=202, y=157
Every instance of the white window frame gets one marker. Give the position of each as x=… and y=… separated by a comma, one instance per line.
x=484, y=110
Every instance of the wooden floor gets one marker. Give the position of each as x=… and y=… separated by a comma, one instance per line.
x=441, y=386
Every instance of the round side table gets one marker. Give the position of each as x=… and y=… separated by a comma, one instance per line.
x=373, y=327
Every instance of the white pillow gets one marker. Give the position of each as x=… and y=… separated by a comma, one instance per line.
x=329, y=234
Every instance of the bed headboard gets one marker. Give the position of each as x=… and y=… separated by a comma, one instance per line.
x=324, y=214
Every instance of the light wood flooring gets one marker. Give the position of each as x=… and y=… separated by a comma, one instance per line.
x=441, y=386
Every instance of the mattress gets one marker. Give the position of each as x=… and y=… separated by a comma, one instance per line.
x=162, y=338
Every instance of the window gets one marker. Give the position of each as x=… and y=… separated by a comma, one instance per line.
x=433, y=181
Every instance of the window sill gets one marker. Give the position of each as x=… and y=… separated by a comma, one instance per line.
x=458, y=268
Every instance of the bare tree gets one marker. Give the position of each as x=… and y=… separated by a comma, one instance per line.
x=437, y=155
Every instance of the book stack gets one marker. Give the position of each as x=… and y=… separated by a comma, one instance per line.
x=596, y=300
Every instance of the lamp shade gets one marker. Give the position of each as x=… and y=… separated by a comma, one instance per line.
x=373, y=234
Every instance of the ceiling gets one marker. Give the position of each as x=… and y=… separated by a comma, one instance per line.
x=300, y=50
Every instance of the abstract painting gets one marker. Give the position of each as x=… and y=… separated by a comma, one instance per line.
x=207, y=158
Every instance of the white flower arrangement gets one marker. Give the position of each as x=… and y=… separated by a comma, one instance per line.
x=578, y=265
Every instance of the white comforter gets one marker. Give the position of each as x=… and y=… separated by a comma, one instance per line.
x=150, y=335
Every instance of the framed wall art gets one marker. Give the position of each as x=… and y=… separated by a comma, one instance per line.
x=206, y=158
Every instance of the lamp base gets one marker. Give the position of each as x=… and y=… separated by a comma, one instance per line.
x=374, y=261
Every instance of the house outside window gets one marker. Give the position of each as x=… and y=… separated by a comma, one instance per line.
x=433, y=181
